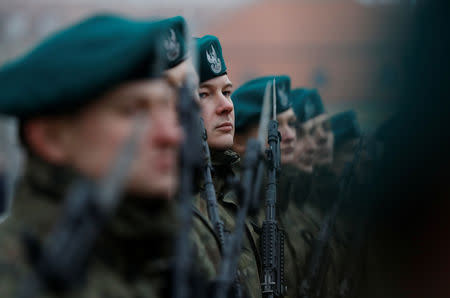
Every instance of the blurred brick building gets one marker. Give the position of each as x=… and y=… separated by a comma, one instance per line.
x=345, y=48
x=351, y=52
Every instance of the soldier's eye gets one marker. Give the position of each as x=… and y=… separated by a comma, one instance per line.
x=203, y=95
x=326, y=126
x=130, y=110
x=293, y=123
x=226, y=93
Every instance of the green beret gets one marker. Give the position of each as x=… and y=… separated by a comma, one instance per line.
x=210, y=59
x=79, y=63
x=248, y=99
x=175, y=46
x=345, y=126
x=306, y=103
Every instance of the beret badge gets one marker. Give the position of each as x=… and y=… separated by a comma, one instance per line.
x=215, y=63
x=172, y=46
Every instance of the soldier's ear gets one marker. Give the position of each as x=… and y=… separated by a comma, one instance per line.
x=45, y=138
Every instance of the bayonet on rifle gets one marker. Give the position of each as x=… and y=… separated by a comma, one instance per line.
x=272, y=239
x=252, y=159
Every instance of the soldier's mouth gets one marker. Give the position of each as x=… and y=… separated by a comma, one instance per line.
x=287, y=150
x=225, y=127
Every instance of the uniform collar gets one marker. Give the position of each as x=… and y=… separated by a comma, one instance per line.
x=231, y=198
x=50, y=182
x=224, y=163
x=227, y=158
x=137, y=222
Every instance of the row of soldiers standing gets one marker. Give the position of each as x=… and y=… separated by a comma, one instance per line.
x=126, y=193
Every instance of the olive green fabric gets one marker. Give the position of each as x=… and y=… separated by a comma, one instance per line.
x=304, y=200
x=306, y=103
x=223, y=164
x=210, y=61
x=129, y=258
x=345, y=126
x=79, y=63
x=248, y=99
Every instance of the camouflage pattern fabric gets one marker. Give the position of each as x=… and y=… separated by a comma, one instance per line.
x=206, y=244
x=224, y=164
x=302, y=211
x=130, y=257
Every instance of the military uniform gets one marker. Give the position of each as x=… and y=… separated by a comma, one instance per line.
x=132, y=256
x=212, y=65
x=228, y=206
x=126, y=260
x=248, y=100
x=305, y=199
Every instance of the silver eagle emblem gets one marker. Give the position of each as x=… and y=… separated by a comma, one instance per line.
x=172, y=46
x=215, y=63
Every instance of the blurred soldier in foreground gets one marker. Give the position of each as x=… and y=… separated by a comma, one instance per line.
x=78, y=95
x=216, y=206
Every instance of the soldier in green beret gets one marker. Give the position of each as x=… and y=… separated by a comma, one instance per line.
x=312, y=189
x=217, y=111
x=77, y=96
x=248, y=101
x=315, y=124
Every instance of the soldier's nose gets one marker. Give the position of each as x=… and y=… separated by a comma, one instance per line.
x=225, y=106
x=166, y=131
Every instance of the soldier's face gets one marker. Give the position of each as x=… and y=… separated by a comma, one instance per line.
x=217, y=111
x=305, y=147
x=97, y=132
x=287, y=123
x=324, y=139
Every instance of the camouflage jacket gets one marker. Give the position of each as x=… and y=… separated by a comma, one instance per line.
x=303, y=204
x=129, y=259
x=228, y=205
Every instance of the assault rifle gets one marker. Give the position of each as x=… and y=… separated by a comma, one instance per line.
x=191, y=165
x=210, y=193
x=272, y=240
x=246, y=189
